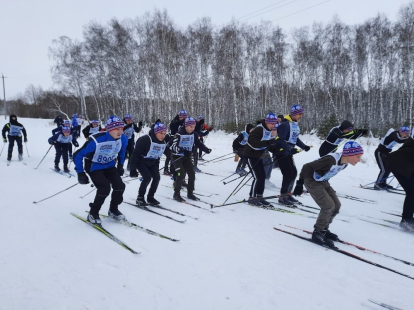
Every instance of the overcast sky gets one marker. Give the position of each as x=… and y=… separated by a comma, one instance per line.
x=27, y=27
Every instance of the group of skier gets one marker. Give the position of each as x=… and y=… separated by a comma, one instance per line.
x=272, y=142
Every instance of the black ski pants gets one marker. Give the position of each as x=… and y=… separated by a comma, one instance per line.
x=259, y=176
x=129, y=149
x=183, y=166
x=12, y=139
x=62, y=150
x=149, y=172
x=200, y=151
x=408, y=185
x=167, y=154
x=385, y=170
x=242, y=161
x=103, y=180
x=288, y=168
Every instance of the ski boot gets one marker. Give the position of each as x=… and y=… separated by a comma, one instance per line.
x=284, y=200
x=20, y=157
x=66, y=169
x=116, y=214
x=191, y=196
x=94, y=219
x=57, y=168
x=152, y=201
x=178, y=197
x=319, y=237
x=141, y=202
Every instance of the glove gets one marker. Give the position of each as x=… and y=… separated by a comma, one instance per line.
x=306, y=148
x=120, y=170
x=25, y=140
x=272, y=141
x=298, y=188
x=211, y=128
x=295, y=151
x=208, y=151
x=363, y=132
x=76, y=143
x=140, y=124
x=52, y=142
x=234, y=151
x=133, y=173
x=83, y=178
x=4, y=140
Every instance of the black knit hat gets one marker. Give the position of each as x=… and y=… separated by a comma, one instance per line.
x=346, y=125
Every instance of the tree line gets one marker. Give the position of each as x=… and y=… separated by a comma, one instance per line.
x=234, y=74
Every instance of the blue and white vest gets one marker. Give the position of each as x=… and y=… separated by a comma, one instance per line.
x=15, y=131
x=106, y=151
x=129, y=132
x=63, y=139
x=392, y=143
x=335, y=169
x=93, y=130
x=245, y=138
x=267, y=135
x=294, y=133
x=156, y=150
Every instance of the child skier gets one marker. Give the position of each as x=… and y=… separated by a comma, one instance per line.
x=146, y=158
x=392, y=138
x=102, y=152
x=315, y=175
x=14, y=130
x=338, y=134
x=62, y=141
x=182, y=149
x=238, y=147
x=92, y=128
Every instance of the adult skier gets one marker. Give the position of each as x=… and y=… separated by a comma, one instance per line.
x=338, y=134
x=315, y=176
x=146, y=158
x=182, y=148
x=62, y=141
x=14, y=132
x=178, y=121
x=288, y=132
x=259, y=142
x=238, y=147
x=401, y=163
x=391, y=139
x=58, y=121
x=102, y=152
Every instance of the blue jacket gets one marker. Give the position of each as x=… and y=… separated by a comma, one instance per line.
x=56, y=136
x=87, y=151
x=75, y=121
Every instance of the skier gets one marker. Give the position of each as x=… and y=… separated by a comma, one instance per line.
x=146, y=158
x=315, y=175
x=182, y=149
x=268, y=162
x=288, y=132
x=392, y=138
x=14, y=130
x=66, y=123
x=75, y=125
x=203, y=130
x=102, y=151
x=238, y=147
x=92, y=128
x=178, y=121
x=129, y=129
x=401, y=163
x=58, y=121
x=338, y=134
x=260, y=140
x=61, y=141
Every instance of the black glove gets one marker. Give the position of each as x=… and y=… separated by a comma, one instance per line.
x=234, y=151
x=25, y=140
x=298, y=188
x=295, y=151
x=76, y=143
x=52, y=142
x=272, y=141
x=140, y=124
x=120, y=170
x=4, y=140
x=208, y=151
x=83, y=178
x=363, y=132
x=306, y=148
x=133, y=173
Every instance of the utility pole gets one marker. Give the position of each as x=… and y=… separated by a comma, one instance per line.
x=4, y=96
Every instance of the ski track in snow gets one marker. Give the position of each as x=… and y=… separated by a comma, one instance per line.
x=228, y=260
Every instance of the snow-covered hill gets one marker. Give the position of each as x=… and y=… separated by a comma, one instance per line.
x=232, y=259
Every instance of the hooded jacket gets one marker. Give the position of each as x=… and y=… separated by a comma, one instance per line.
x=13, y=124
x=402, y=160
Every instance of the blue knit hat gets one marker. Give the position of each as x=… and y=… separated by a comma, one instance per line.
x=158, y=127
x=182, y=113
x=128, y=117
x=114, y=122
x=65, y=129
x=352, y=148
x=200, y=117
x=295, y=110
x=271, y=119
x=95, y=121
x=66, y=123
x=189, y=121
x=404, y=129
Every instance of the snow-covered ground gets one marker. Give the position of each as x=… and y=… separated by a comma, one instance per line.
x=233, y=259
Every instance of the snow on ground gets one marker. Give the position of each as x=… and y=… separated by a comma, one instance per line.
x=233, y=259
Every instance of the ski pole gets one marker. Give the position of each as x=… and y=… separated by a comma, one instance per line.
x=36, y=202
x=376, y=181
x=243, y=185
x=231, y=194
x=27, y=151
x=222, y=159
x=88, y=193
x=218, y=158
x=44, y=157
x=241, y=201
x=4, y=144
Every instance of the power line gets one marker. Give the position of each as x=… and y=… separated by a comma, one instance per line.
x=301, y=10
x=271, y=10
x=261, y=9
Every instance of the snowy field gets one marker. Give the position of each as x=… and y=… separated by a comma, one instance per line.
x=232, y=259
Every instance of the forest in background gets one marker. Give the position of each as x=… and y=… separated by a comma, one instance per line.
x=233, y=74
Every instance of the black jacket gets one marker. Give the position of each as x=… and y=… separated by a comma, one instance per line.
x=85, y=130
x=58, y=120
x=402, y=160
x=142, y=148
x=176, y=141
x=6, y=127
x=175, y=125
x=394, y=136
x=134, y=126
x=254, y=141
